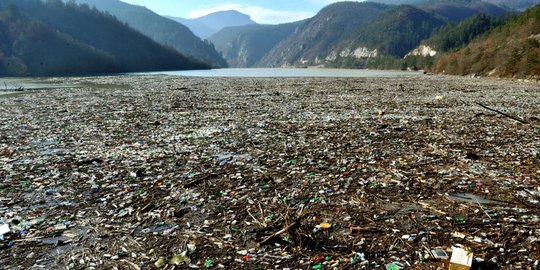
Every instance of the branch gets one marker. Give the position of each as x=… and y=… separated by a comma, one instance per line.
x=499, y=112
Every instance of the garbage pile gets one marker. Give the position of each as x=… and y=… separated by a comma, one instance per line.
x=158, y=172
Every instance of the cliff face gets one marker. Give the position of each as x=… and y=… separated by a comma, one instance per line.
x=422, y=50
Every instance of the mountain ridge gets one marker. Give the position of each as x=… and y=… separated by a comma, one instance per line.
x=316, y=35
x=160, y=29
x=210, y=24
x=58, y=36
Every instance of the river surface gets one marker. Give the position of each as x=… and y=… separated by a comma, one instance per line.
x=9, y=85
x=290, y=72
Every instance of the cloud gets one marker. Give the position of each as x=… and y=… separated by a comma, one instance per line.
x=258, y=14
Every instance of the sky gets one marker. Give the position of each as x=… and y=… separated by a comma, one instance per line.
x=261, y=11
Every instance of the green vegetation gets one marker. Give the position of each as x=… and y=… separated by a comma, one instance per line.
x=162, y=30
x=397, y=32
x=517, y=5
x=511, y=50
x=317, y=36
x=53, y=38
x=453, y=36
x=459, y=10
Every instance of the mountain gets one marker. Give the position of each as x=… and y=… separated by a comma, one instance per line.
x=198, y=28
x=244, y=46
x=349, y=34
x=315, y=37
x=398, y=2
x=459, y=10
x=510, y=5
x=517, y=5
x=210, y=24
x=53, y=38
x=455, y=36
x=511, y=50
x=43, y=51
x=160, y=29
x=449, y=38
x=221, y=19
x=395, y=32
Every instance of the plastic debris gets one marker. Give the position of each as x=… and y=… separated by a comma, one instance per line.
x=208, y=263
x=4, y=228
x=439, y=254
x=160, y=171
x=179, y=259
x=461, y=259
x=161, y=262
x=325, y=225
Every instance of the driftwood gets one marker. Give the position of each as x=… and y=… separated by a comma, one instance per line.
x=501, y=113
x=282, y=231
x=198, y=179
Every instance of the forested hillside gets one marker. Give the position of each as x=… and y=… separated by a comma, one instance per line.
x=54, y=38
x=314, y=39
x=454, y=36
x=511, y=50
x=162, y=30
x=42, y=51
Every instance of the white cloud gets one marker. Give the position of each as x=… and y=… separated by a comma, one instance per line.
x=258, y=14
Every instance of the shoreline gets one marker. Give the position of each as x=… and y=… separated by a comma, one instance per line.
x=270, y=173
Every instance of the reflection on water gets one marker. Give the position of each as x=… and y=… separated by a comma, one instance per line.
x=17, y=85
x=290, y=72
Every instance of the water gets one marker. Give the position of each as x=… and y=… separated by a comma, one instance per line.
x=290, y=72
x=16, y=85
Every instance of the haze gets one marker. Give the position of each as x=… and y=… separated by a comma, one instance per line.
x=264, y=12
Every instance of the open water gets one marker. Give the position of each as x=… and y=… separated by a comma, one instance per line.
x=290, y=72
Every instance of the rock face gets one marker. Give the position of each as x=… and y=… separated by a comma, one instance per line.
x=358, y=53
x=423, y=50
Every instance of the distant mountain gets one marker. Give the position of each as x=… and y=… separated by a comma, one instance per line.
x=244, y=46
x=221, y=19
x=517, y=5
x=398, y=2
x=511, y=50
x=351, y=34
x=313, y=40
x=511, y=5
x=52, y=39
x=459, y=10
x=160, y=29
x=198, y=28
x=212, y=23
